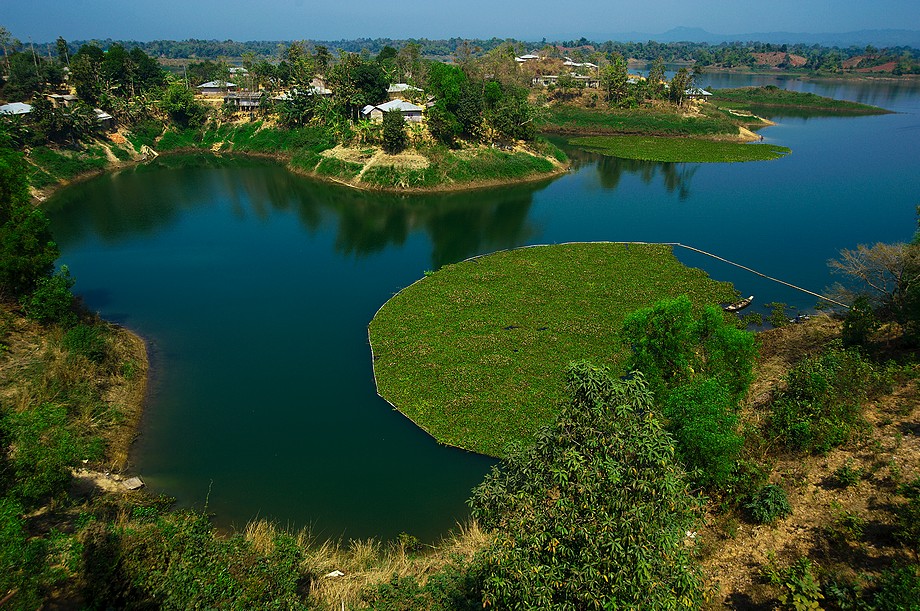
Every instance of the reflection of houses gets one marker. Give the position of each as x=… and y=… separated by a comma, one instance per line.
x=245, y=100
x=399, y=90
x=16, y=108
x=590, y=82
x=410, y=112
x=217, y=88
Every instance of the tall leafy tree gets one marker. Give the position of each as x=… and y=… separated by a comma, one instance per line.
x=655, y=88
x=596, y=513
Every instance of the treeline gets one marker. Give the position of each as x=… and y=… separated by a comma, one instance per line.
x=726, y=54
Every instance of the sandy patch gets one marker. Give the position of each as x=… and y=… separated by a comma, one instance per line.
x=350, y=155
x=406, y=160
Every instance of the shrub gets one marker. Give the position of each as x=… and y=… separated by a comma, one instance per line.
x=27, y=252
x=908, y=516
x=88, y=341
x=768, y=504
x=52, y=301
x=701, y=419
x=860, y=323
x=671, y=346
x=594, y=514
x=394, y=132
x=899, y=589
x=43, y=450
x=846, y=475
x=822, y=404
x=802, y=589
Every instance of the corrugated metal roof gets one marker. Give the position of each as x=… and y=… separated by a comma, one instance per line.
x=217, y=84
x=16, y=108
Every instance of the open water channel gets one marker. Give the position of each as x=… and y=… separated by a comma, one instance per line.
x=254, y=288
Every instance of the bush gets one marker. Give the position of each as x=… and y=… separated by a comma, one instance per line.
x=44, y=449
x=822, y=404
x=671, y=346
x=700, y=416
x=908, y=516
x=394, y=132
x=595, y=514
x=860, y=323
x=52, y=301
x=27, y=252
x=768, y=504
x=803, y=590
x=451, y=589
x=899, y=589
x=846, y=475
x=88, y=341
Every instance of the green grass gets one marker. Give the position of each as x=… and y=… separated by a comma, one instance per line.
x=649, y=121
x=652, y=148
x=461, y=167
x=475, y=353
x=772, y=97
x=53, y=165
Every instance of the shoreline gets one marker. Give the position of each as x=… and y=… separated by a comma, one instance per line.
x=39, y=196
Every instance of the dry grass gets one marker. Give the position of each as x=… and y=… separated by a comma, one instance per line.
x=104, y=399
x=367, y=562
x=888, y=453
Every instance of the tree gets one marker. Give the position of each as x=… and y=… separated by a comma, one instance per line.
x=680, y=83
x=394, y=132
x=443, y=124
x=671, y=347
x=179, y=103
x=614, y=80
x=62, y=51
x=27, y=252
x=596, y=513
x=888, y=274
x=656, y=81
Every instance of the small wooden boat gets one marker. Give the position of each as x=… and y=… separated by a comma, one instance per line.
x=739, y=305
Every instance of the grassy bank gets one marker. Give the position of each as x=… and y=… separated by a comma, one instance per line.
x=474, y=353
x=772, y=97
x=312, y=151
x=651, y=148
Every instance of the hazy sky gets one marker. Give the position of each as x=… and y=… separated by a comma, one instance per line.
x=45, y=20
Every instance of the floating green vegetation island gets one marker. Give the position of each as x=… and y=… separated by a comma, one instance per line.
x=663, y=120
x=657, y=148
x=772, y=97
x=475, y=352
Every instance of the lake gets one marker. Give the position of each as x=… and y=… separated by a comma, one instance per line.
x=254, y=288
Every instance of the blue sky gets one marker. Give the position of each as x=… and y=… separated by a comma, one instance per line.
x=44, y=20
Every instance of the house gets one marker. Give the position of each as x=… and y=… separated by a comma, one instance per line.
x=16, y=108
x=395, y=90
x=410, y=112
x=696, y=93
x=588, y=82
x=246, y=100
x=62, y=101
x=236, y=70
x=526, y=58
x=217, y=88
x=104, y=119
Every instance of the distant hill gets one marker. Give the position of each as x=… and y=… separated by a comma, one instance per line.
x=860, y=38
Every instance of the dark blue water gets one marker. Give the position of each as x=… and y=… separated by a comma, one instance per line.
x=255, y=288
